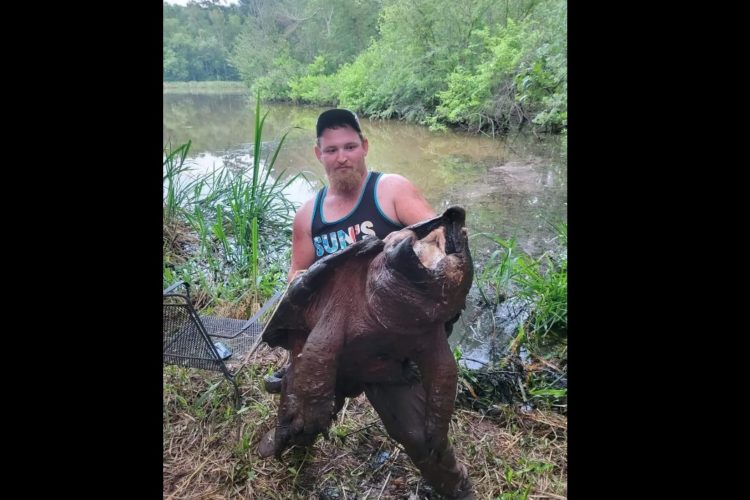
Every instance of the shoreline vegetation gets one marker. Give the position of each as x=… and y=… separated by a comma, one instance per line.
x=479, y=65
x=202, y=88
x=510, y=423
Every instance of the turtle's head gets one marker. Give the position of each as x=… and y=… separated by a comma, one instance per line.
x=420, y=250
x=428, y=265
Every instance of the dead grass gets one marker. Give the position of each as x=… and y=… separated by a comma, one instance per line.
x=209, y=450
x=241, y=308
x=177, y=239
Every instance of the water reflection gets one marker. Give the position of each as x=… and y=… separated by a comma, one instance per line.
x=298, y=191
x=509, y=187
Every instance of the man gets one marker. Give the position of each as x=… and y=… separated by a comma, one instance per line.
x=359, y=203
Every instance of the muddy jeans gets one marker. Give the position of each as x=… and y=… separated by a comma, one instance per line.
x=402, y=410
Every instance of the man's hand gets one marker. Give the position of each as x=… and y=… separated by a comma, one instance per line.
x=296, y=273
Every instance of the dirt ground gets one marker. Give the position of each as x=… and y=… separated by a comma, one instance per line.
x=209, y=449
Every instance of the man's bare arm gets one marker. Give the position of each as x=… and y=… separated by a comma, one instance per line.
x=303, y=252
x=403, y=201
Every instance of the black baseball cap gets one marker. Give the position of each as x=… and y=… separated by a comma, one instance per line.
x=335, y=118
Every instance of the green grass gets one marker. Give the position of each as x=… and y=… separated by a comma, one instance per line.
x=500, y=269
x=214, y=222
x=542, y=283
x=176, y=194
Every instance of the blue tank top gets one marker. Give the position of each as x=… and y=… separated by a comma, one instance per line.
x=366, y=219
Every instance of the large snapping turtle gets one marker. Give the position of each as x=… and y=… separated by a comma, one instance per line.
x=367, y=315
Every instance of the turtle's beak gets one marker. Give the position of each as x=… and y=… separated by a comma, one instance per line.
x=401, y=257
x=425, y=272
x=456, y=239
x=419, y=249
x=454, y=233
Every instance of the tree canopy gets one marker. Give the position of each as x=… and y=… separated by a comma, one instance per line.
x=485, y=65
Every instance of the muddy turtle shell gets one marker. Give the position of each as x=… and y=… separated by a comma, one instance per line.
x=288, y=315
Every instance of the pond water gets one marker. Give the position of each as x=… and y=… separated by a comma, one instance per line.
x=511, y=187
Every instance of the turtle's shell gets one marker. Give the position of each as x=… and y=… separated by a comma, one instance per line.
x=290, y=313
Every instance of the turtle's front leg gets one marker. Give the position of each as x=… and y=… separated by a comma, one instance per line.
x=309, y=395
x=439, y=378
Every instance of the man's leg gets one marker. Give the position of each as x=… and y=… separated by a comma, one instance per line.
x=401, y=408
x=272, y=382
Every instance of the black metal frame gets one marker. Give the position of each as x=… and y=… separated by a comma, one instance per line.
x=187, y=336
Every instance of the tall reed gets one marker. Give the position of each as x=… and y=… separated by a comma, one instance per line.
x=236, y=215
x=173, y=166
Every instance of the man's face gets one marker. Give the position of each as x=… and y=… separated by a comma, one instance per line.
x=342, y=153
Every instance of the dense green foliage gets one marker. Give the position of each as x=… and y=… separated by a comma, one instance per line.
x=485, y=65
x=197, y=41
